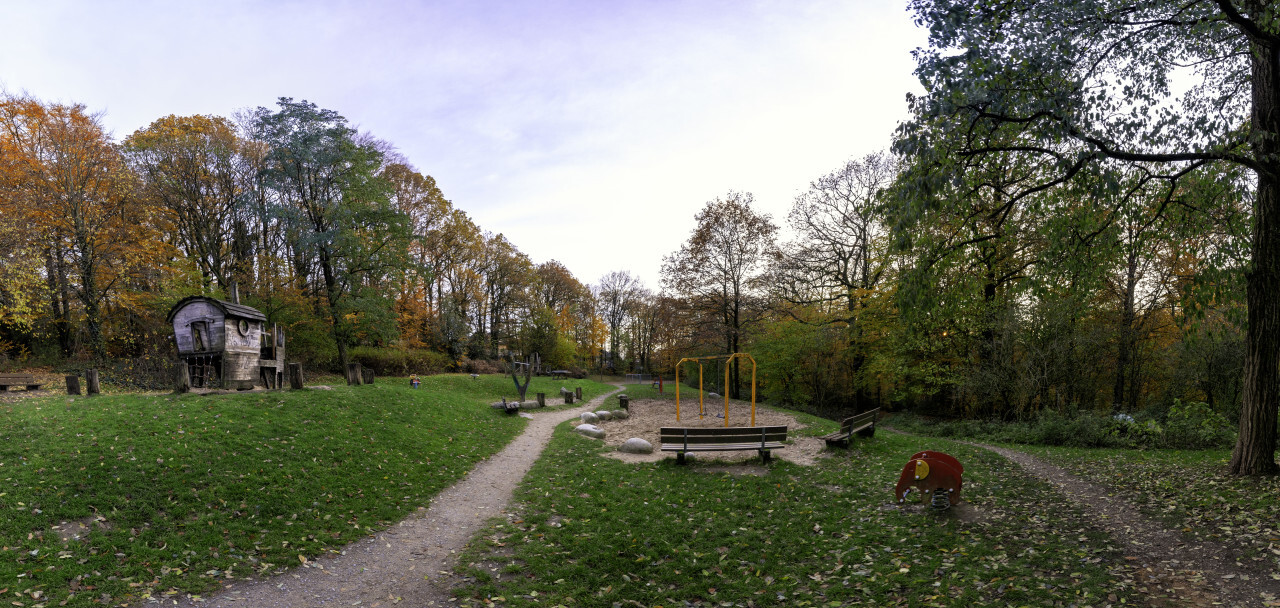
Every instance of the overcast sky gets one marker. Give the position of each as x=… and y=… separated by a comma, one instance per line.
x=587, y=131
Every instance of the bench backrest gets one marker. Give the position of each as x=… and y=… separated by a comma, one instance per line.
x=740, y=434
x=860, y=419
x=18, y=378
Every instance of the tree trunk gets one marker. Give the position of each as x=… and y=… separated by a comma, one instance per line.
x=1127, y=342
x=1254, y=453
x=73, y=385
x=295, y=376
x=91, y=381
x=354, y=375
x=181, y=378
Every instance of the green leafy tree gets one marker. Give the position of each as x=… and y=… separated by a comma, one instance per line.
x=338, y=210
x=1075, y=88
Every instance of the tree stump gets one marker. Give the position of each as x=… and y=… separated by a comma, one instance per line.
x=577, y=392
x=623, y=402
x=73, y=385
x=181, y=378
x=91, y=382
x=542, y=400
x=295, y=376
x=568, y=397
x=367, y=375
x=353, y=374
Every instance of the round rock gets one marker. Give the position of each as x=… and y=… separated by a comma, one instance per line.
x=591, y=430
x=621, y=415
x=636, y=445
x=605, y=415
x=589, y=418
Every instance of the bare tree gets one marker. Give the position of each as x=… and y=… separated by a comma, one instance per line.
x=616, y=292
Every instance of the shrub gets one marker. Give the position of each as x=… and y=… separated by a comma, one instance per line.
x=400, y=362
x=1193, y=425
x=480, y=366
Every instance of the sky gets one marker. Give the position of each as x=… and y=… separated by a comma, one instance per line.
x=585, y=131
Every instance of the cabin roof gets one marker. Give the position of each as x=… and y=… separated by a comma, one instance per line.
x=231, y=309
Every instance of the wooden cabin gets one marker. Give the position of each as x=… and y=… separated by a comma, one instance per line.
x=227, y=344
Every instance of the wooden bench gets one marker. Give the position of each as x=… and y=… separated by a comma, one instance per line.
x=27, y=380
x=863, y=424
x=682, y=440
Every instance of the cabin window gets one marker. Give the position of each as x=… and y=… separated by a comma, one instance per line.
x=199, y=336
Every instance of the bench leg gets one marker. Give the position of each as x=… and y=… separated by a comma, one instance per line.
x=679, y=457
x=867, y=432
x=765, y=456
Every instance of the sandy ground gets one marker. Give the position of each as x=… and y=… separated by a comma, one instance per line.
x=649, y=415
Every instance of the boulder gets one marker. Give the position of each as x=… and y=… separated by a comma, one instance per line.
x=589, y=418
x=621, y=414
x=592, y=431
x=529, y=405
x=605, y=415
x=636, y=445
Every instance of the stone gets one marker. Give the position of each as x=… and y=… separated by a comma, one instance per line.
x=713, y=395
x=529, y=405
x=592, y=431
x=589, y=418
x=636, y=445
x=605, y=415
x=621, y=414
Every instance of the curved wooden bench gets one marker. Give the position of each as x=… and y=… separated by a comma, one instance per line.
x=682, y=440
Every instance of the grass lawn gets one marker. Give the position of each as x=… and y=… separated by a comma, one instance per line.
x=595, y=531
x=175, y=494
x=1187, y=491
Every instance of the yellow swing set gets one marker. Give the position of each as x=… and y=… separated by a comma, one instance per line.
x=727, y=361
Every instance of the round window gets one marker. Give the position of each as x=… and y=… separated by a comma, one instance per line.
x=244, y=327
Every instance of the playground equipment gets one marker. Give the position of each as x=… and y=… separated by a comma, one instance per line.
x=701, y=393
x=934, y=474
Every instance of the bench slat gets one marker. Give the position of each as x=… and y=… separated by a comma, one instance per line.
x=721, y=447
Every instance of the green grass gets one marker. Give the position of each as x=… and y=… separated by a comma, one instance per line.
x=599, y=532
x=1188, y=491
x=183, y=493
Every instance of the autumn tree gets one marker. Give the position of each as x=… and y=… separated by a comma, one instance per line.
x=189, y=167
x=1076, y=86
x=718, y=271
x=840, y=259
x=337, y=209
x=66, y=179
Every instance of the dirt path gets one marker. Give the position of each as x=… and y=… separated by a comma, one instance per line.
x=1176, y=571
x=410, y=563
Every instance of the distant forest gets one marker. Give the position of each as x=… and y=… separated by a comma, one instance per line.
x=982, y=307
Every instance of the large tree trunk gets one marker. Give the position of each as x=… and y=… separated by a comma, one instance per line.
x=1254, y=453
x=1128, y=337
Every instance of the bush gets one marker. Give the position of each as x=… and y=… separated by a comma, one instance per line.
x=480, y=366
x=1193, y=425
x=400, y=362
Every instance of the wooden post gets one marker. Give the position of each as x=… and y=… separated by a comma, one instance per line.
x=577, y=392
x=295, y=376
x=91, y=381
x=368, y=375
x=542, y=400
x=181, y=378
x=73, y=385
x=623, y=402
x=353, y=374
x=568, y=397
